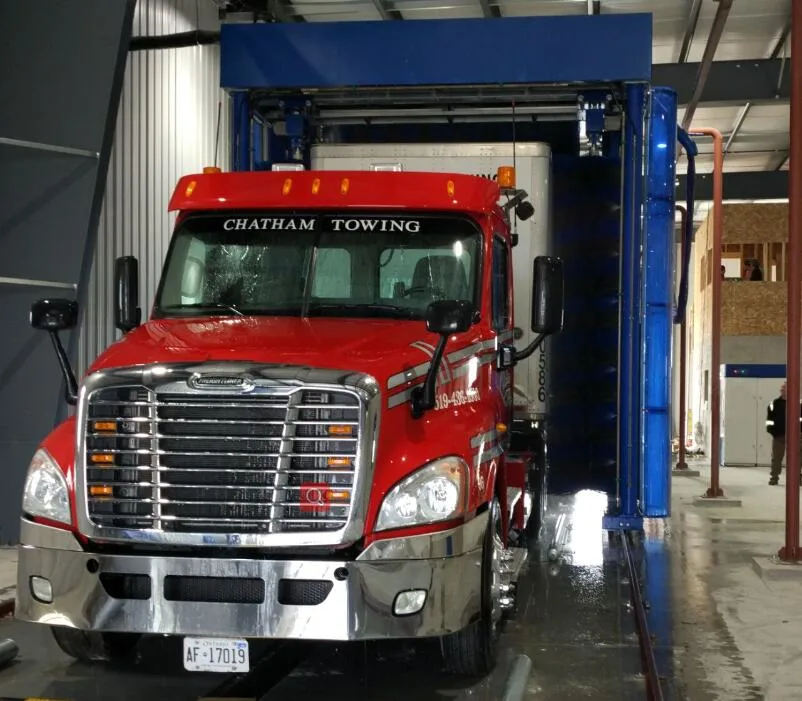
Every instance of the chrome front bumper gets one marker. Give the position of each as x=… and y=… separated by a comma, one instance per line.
x=358, y=606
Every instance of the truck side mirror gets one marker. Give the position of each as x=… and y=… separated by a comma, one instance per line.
x=127, y=315
x=444, y=318
x=547, y=295
x=449, y=316
x=54, y=315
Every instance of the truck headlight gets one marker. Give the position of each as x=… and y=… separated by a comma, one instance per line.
x=435, y=492
x=46, y=493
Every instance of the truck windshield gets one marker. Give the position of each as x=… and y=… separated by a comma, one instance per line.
x=324, y=265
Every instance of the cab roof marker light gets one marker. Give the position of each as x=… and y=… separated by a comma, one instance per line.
x=211, y=170
x=451, y=188
x=505, y=176
x=315, y=186
x=345, y=185
x=190, y=188
x=287, y=187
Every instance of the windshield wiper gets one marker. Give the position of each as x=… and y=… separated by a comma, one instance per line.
x=390, y=310
x=204, y=307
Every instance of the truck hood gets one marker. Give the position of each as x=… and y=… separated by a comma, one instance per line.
x=379, y=347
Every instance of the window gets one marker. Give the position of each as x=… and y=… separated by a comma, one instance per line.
x=319, y=265
x=501, y=299
x=332, y=273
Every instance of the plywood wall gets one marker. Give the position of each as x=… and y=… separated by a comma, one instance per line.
x=753, y=308
x=755, y=223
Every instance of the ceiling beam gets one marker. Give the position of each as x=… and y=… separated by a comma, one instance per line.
x=728, y=81
x=489, y=10
x=694, y=8
x=386, y=12
x=745, y=185
x=779, y=47
x=713, y=39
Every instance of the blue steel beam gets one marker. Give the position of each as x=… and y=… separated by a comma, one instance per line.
x=657, y=306
x=520, y=50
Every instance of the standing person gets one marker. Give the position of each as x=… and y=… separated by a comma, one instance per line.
x=775, y=425
x=757, y=272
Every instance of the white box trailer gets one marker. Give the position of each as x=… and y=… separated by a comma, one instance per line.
x=533, y=168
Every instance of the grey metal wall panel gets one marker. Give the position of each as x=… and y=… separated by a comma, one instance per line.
x=166, y=128
x=62, y=73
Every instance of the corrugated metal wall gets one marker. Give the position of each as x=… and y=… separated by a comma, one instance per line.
x=166, y=128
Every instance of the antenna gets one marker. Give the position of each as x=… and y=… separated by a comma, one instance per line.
x=515, y=170
x=514, y=141
x=217, y=132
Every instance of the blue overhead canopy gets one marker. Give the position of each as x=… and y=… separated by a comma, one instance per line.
x=526, y=50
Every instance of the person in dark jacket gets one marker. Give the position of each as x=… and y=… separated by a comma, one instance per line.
x=775, y=425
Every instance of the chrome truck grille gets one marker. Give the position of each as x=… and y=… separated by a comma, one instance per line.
x=276, y=460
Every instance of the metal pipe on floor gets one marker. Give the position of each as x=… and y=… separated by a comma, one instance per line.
x=654, y=690
x=517, y=680
x=8, y=651
x=683, y=355
x=715, y=326
x=790, y=551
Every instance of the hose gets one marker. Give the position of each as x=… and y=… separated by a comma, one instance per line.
x=682, y=294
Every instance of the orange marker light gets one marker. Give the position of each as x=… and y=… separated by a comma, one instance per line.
x=315, y=186
x=100, y=491
x=190, y=189
x=501, y=428
x=341, y=430
x=102, y=459
x=208, y=170
x=345, y=185
x=336, y=495
x=505, y=176
x=106, y=426
x=451, y=188
x=287, y=187
x=339, y=462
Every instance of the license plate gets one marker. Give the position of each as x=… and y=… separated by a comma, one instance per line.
x=216, y=655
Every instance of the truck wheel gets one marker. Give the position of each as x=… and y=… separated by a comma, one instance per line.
x=90, y=646
x=473, y=651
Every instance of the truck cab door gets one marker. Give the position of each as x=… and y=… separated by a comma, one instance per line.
x=502, y=324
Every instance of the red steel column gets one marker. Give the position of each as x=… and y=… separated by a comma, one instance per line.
x=683, y=355
x=790, y=551
x=715, y=326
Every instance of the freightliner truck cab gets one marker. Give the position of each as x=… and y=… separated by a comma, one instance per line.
x=309, y=439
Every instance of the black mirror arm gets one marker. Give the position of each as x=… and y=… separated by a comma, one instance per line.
x=531, y=348
x=71, y=388
x=423, y=396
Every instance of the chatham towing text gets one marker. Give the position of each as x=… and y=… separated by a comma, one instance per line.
x=411, y=226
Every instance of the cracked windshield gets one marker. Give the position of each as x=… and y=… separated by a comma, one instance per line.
x=337, y=265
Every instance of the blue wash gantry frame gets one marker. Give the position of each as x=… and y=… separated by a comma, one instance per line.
x=573, y=52
x=525, y=50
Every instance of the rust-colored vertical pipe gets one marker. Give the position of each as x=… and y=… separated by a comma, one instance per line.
x=790, y=551
x=715, y=326
x=683, y=353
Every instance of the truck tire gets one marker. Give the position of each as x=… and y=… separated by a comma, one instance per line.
x=92, y=647
x=473, y=651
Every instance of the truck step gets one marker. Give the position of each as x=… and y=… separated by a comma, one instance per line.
x=512, y=561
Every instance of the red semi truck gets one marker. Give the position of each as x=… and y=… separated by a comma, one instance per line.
x=311, y=438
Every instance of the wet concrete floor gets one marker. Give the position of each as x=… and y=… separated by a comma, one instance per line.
x=720, y=633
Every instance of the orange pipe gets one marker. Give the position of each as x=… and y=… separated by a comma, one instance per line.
x=715, y=326
x=683, y=354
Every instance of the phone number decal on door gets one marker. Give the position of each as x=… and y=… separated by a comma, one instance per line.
x=457, y=398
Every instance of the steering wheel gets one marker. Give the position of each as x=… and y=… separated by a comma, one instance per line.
x=435, y=291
